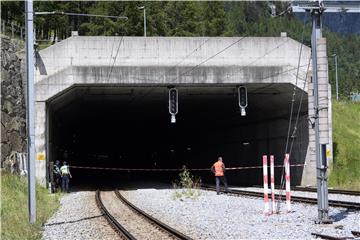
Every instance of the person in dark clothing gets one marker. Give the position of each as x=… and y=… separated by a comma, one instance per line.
x=57, y=175
x=218, y=169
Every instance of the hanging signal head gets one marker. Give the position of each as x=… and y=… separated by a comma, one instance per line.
x=242, y=93
x=173, y=103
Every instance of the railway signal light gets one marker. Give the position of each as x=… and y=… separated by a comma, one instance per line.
x=242, y=94
x=173, y=103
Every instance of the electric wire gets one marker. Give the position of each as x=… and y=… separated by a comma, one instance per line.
x=216, y=54
x=194, y=67
x=209, y=58
x=177, y=64
x=299, y=109
x=184, y=58
x=117, y=52
x=282, y=183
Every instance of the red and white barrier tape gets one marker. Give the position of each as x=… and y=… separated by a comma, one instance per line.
x=177, y=169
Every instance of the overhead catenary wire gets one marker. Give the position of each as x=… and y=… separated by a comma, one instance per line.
x=209, y=58
x=282, y=183
x=194, y=67
x=216, y=54
x=188, y=55
x=299, y=109
x=177, y=64
x=117, y=52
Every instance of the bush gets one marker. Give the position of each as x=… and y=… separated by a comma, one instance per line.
x=187, y=187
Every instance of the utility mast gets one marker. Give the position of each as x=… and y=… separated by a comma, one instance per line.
x=30, y=113
x=317, y=8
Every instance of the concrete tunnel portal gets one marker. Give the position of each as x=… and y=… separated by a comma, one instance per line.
x=103, y=102
x=129, y=127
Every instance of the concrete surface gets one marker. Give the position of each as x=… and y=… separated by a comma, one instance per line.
x=164, y=61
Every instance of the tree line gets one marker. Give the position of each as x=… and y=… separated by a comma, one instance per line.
x=189, y=18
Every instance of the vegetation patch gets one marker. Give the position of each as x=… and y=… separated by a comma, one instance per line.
x=188, y=186
x=14, y=208
x=345, y=171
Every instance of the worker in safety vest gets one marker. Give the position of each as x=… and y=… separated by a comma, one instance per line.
x=57, y=175
x=65, y=177
x=218, y=169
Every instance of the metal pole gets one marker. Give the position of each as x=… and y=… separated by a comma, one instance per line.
x=337, y=82
x=144, y=22
x=322, y=191
x=30, y=110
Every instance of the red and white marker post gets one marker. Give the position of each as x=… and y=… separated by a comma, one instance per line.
x=272, y=182
x=266, y=196
x=287, y=182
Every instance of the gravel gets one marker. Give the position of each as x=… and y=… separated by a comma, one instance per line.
x=212, y=216
x=332, y=196
x=78, y=218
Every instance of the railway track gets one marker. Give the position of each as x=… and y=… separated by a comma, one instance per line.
x=332, y=203
x=334, y=191
x=328, y=237
x=130, y=221
x=312, y=189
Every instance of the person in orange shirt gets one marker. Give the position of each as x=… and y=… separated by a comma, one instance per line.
x=218, y=169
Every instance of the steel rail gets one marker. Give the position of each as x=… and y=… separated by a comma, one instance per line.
x=329, y=237
x=112, y=221
x=155, y=221
x=335, y=191
x=333, y=203
x=355, y=233
x=313, y=189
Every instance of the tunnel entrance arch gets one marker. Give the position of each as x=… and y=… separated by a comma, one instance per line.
x=129, y=127
x=194, y=65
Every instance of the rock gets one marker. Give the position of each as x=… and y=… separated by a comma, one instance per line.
x=7, y=107
x=5, y=151
x=4, y=136
x=16, y=141
x=13, y=112
x=15, y=124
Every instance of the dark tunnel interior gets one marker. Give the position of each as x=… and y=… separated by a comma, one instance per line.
x=129, y=127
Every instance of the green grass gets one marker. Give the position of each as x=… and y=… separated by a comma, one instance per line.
x=345, y=172
x=14, y=211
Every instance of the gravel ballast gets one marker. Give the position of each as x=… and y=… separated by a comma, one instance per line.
x=78, y=218
x=212, y=216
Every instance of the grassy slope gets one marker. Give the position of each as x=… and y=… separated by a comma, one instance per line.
x=14, y=212
x=345, y=172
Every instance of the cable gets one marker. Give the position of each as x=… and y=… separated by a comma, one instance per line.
x=282, y=183
x=163, y=76
x=209, y=58
x=299, y=109
x=186, y=57
x=185, y=72
x=117, y=52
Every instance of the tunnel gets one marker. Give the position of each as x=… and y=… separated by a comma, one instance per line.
x=118, y=127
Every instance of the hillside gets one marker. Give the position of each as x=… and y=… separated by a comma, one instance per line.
x=174, y=18
x=345, y=172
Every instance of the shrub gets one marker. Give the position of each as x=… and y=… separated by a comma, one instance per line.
x=188, y=186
